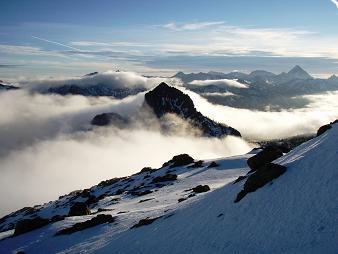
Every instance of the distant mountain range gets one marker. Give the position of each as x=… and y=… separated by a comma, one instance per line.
x=262, y=89
x=4, y=87
x=95, y=90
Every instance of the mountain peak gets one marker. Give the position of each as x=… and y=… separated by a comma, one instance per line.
x=299, y=73
x=165, y=99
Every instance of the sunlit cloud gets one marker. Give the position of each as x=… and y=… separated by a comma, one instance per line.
x=192, y=26
x=219, y=82
x=335, y=2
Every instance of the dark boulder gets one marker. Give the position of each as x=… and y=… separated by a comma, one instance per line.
x=213, y=165
x=268, y=154
x=165, y=178
x=140, y=193
x=110, y=119
x=146, y=221
x=99, y=219
x=147, y=169
x=109, y=182
x=201, y=188
x=197, y=164
x=239, y=179
x=57, y=217
x=323, y=129
x=179, y=160
x=261, y=177
x=26, y=225
x=79, y=209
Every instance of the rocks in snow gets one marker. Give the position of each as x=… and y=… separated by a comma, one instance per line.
x=179, y=160
x=165, y=178
x=201, y=188
x=146, y=221
x=268, y=154
x=79, y=209
x=27, y=225
x=213, y=165
x=323, y=129
x=99, y=219
x=259, y=178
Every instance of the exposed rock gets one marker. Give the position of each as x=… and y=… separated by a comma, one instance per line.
x=201, y=188
x=147, y=169
x=240, y=178
x=181, y=200
x=140, y=193
x=99, y=219
x=27, y=225
x=145, y=221
x=145, y=200
x=109, y=182
x=179, y=160
x=268, y=154
x=110, y=119
x=57, y=217
x=197, y=164
x=165, y=100
x=323, y=129
x=213, y=165
x=165, y=178
x=79, y=209
x=258, y=179
x=119, y=192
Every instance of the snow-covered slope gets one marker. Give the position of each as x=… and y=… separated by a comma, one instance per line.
x=295, y=213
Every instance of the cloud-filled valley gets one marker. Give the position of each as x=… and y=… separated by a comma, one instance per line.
x=49, y=148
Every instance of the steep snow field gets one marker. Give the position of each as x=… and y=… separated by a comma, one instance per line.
x=295, y=213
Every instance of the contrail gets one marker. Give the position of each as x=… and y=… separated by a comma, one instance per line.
x=57, y=43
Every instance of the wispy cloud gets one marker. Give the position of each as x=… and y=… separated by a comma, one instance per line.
x=192, y=26
x=56, y=43
x=108, y=44
x=335, y=2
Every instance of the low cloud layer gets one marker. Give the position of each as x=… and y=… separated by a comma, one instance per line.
x=47, y=149
x=219, y=82
x=112, y=79
x=266, y=125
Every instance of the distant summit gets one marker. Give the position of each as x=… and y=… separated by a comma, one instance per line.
x=298, y=73
x=165, y=99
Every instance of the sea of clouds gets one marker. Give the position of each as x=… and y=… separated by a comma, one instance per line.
x=48, y=147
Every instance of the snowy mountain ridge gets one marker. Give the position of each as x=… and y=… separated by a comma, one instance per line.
x=169, y=210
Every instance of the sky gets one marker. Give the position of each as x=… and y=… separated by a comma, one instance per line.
x=41, y=38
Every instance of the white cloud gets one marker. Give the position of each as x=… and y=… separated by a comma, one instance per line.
x=335, y=2
x=192, y=26
x=45, y=153
x=266, y=125
x=219, y=82
x=121, y=79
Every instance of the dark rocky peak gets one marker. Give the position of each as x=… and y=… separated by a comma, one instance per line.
x=165, y=99
x=333, y=78
x=299, y=73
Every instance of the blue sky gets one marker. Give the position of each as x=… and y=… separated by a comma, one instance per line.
x=43, y=38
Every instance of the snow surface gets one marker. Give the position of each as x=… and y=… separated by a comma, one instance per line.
x=296, y=213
